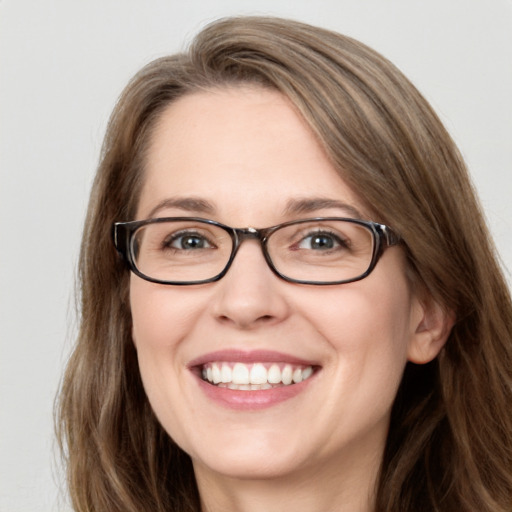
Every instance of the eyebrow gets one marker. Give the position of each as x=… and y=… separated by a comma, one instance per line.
x=309, y=205
x=293, y=206
x=188, y=204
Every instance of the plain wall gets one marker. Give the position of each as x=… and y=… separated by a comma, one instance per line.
x=62, y=65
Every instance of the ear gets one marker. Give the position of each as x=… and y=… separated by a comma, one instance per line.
x=430, y=328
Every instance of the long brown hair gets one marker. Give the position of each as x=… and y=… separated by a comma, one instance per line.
x=450, y=440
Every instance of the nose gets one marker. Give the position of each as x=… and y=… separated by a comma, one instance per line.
x=250, y=295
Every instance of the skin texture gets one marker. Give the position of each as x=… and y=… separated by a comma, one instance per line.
x=248, y=154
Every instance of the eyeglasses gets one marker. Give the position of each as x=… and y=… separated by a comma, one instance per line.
x=189, y=250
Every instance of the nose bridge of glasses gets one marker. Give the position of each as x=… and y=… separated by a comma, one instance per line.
x=250, y=233
x=243, y=234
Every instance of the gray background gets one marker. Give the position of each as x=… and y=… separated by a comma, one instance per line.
x=62, y=65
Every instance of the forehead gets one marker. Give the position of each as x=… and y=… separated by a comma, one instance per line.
x=244, y=150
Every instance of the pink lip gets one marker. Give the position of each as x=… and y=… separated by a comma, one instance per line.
x=249, y=400
x=252, y=356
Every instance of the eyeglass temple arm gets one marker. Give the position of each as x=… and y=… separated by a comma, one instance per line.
x=120, y=237
x=389, y=235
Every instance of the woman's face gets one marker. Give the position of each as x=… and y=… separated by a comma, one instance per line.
x=243, y=157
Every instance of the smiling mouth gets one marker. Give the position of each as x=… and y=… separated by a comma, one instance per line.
x=254, y=376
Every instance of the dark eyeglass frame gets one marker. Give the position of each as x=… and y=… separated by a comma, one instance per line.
x=122, y=235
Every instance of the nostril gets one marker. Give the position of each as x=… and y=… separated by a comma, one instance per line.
x=262, y=319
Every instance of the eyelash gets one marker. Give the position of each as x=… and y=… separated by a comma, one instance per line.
x=167, y=242
x=338, y=240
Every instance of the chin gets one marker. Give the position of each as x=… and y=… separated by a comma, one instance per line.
x=255, y=468
x=256, y=458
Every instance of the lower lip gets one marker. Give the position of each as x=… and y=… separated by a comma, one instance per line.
x=251, y=400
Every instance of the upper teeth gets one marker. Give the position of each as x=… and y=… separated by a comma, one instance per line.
x=263, y=375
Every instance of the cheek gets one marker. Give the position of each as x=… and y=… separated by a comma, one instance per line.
x=160, y=322
x=354, y=317
x=368, y=328
x=161, y=316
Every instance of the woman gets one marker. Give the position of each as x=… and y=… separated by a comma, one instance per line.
x=355, y=356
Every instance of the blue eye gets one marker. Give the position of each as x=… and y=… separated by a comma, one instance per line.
x=188, y=241
x=320, y=242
